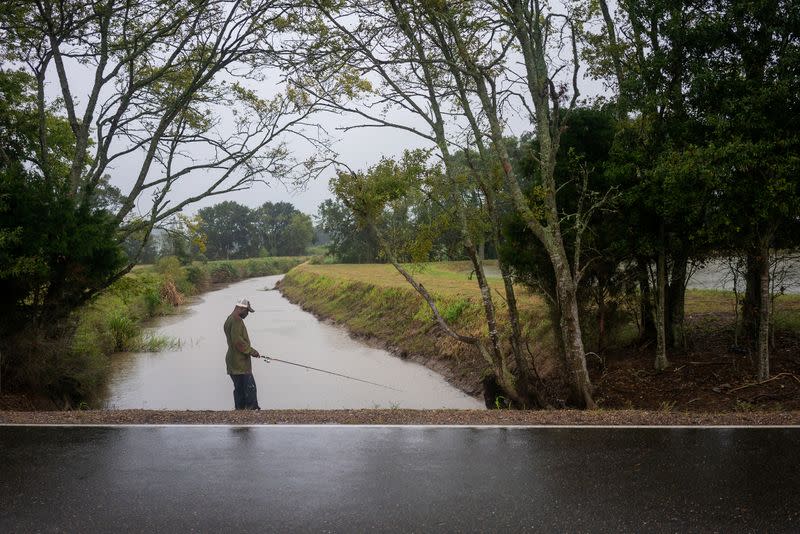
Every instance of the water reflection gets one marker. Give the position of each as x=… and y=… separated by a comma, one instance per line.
x=192, y=376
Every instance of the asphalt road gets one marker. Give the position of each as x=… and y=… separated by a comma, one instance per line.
x=398, y=479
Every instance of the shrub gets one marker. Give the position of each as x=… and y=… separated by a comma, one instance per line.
x=152, y=302
x=199, y=277
x=255, y=268
x=170, y=294
x=51, y=366
x=224, y=272
x=317, y=250
x=170, y=267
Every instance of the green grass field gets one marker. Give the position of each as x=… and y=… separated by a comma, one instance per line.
x=457, y=279
x=360, y=294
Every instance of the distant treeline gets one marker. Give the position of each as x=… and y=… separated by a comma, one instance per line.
x=229, y=230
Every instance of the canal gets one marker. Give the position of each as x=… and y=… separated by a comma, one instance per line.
x=192, y=375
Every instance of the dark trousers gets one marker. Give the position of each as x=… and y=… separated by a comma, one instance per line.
x=245, y=396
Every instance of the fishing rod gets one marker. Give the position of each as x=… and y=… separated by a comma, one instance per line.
x=268, y=359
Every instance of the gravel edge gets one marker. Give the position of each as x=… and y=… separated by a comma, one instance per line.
x=402, y=417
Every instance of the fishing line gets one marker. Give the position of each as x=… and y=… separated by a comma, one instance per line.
x=268, y=359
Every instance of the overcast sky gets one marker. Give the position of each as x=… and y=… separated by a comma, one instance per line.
x=358, y=149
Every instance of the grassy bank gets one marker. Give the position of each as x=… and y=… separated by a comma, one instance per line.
x=376, y=302
x=72, y=371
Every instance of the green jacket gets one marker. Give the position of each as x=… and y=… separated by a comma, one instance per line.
x=237, y=359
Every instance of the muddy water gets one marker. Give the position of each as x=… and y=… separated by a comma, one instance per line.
x=193, y=375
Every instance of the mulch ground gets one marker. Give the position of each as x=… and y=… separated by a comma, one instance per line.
x=709, y=375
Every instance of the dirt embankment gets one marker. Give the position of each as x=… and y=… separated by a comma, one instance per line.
x=384, y=323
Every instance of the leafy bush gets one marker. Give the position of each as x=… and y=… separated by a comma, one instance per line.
x=152, y=302
x=317, y=250
x=255, y=268
x=224, y=272
x=199, y=277
x=170, y=267
x=52, y=367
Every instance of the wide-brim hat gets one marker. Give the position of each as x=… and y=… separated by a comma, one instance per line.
x=244, y=303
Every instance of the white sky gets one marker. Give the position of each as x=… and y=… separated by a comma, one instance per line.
x=359, y=148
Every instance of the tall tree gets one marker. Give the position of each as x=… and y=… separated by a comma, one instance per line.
x=144, y=87
x=468, y=34
x=581, y=177
x=298, y=235
x=50, y=248
x=349, y=243
x=750, y=91
x=271, y=223
x=448, y=63
x=715, y=85
x=229, y=229
x=645, y=51
x=390, y=45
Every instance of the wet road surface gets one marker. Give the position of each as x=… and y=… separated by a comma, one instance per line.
x=399, y=479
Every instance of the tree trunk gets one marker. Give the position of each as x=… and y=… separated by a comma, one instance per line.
x=504, y=377
x=661, y=362
x=676, y=303
x=529, y=380
x=752, y=296
x=737, y=326
x=571, y=336
x=529, y=383
x=527, y=31
x=763, y=313
x=648, y=331
x=601, y=317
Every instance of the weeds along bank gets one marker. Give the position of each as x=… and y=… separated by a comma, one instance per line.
x=374, y=301
x=72, y=370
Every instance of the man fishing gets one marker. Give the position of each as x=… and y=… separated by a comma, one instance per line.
x=237, y=359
